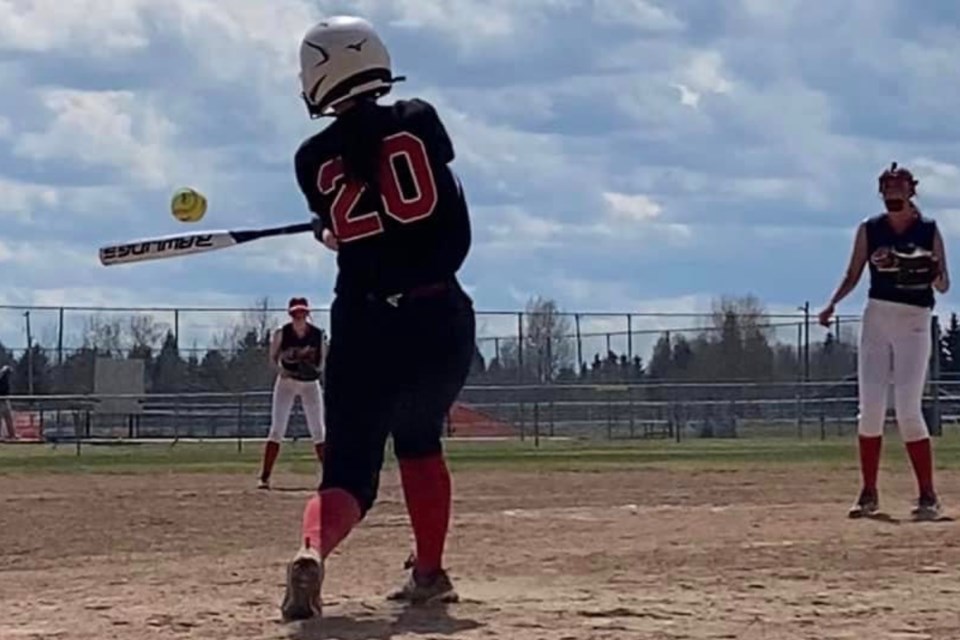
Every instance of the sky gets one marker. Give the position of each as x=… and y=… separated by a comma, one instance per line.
x=618, y=155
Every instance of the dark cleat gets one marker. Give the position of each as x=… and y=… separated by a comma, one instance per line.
x=436, y=588
x=868, y=504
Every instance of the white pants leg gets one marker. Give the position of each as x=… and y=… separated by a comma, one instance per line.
x=894, y=347
x=311, y=399
x=911, y=358
x=284, y=393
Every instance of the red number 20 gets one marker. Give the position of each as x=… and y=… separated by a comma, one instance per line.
x=348, y=225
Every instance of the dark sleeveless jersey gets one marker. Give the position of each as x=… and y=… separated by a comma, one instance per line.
x=291, y=342
x=410, y=231
x=880, y=235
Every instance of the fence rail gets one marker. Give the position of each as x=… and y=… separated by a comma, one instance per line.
x=816, y=409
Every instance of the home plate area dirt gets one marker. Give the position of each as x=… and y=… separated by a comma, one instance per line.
x=555, y=556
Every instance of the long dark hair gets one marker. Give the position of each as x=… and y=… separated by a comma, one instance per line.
x=362, y=137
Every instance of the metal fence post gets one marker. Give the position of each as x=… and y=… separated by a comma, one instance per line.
x=60, y=338
x=936, y=428
x=240, y=423
x=536, y=424
x=576, y=321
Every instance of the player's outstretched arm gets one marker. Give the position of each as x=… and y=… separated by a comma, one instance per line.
x=858, y=260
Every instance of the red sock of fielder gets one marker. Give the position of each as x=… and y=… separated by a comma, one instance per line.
x=328, y=518
x=921, y=457
x=427, y=492
x=270, y=452
x=870, y=448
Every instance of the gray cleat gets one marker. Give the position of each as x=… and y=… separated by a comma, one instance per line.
x=928, y=508
x=301, y=601
x=422, y=590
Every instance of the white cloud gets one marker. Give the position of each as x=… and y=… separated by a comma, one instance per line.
x=703, y=73
x=94, y=26
x=5, y=127
x=104, y=128
x=505, y=158
x=778, y=12
x=44, y=257
x=122, y=26
x=470, y=19
x=262, y=38
x=487, y=28
x=636, y=13
x=513, y=231
x=635, y=207
x=936, y=179
x=512, y=227
x=296, y=255
x=764, y=188
x=688, y=97
x=19, y=199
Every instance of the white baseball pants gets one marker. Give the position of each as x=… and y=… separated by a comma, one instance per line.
x=894, y=349
x=285, y=391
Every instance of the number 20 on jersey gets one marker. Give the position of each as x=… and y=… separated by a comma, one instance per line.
x=350, y=224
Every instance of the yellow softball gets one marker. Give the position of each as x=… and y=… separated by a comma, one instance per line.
x=188, y=205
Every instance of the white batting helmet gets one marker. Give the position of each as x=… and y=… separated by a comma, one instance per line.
x=341, y=58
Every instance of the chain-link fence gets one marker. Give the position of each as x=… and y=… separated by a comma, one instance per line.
x=537, y=373
x=205, y=349
x=649, y=410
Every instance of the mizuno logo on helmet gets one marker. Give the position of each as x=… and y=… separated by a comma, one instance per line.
x=323, y=52
x=358, y=46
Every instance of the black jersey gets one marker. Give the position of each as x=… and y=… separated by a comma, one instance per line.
x=882, y=237
x=5, y=382
x=410, y=231
x=294, y=348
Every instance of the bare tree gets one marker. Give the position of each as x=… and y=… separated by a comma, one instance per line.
x=547, y=348
x=145, y=335
x=103, y=335
x=258, y=319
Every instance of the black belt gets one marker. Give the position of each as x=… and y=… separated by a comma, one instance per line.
x=416, y=293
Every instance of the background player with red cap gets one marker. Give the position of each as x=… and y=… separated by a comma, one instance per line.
x=297, y=352
x=402, y=332
x=907, y=261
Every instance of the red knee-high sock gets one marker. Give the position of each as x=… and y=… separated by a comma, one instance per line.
x=921, y=456
x=318, y=448
x=870, y=447
x=427, y=492
x=328, y=518
x=270, y=452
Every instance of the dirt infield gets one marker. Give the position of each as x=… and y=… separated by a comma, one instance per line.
x=628, y=554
